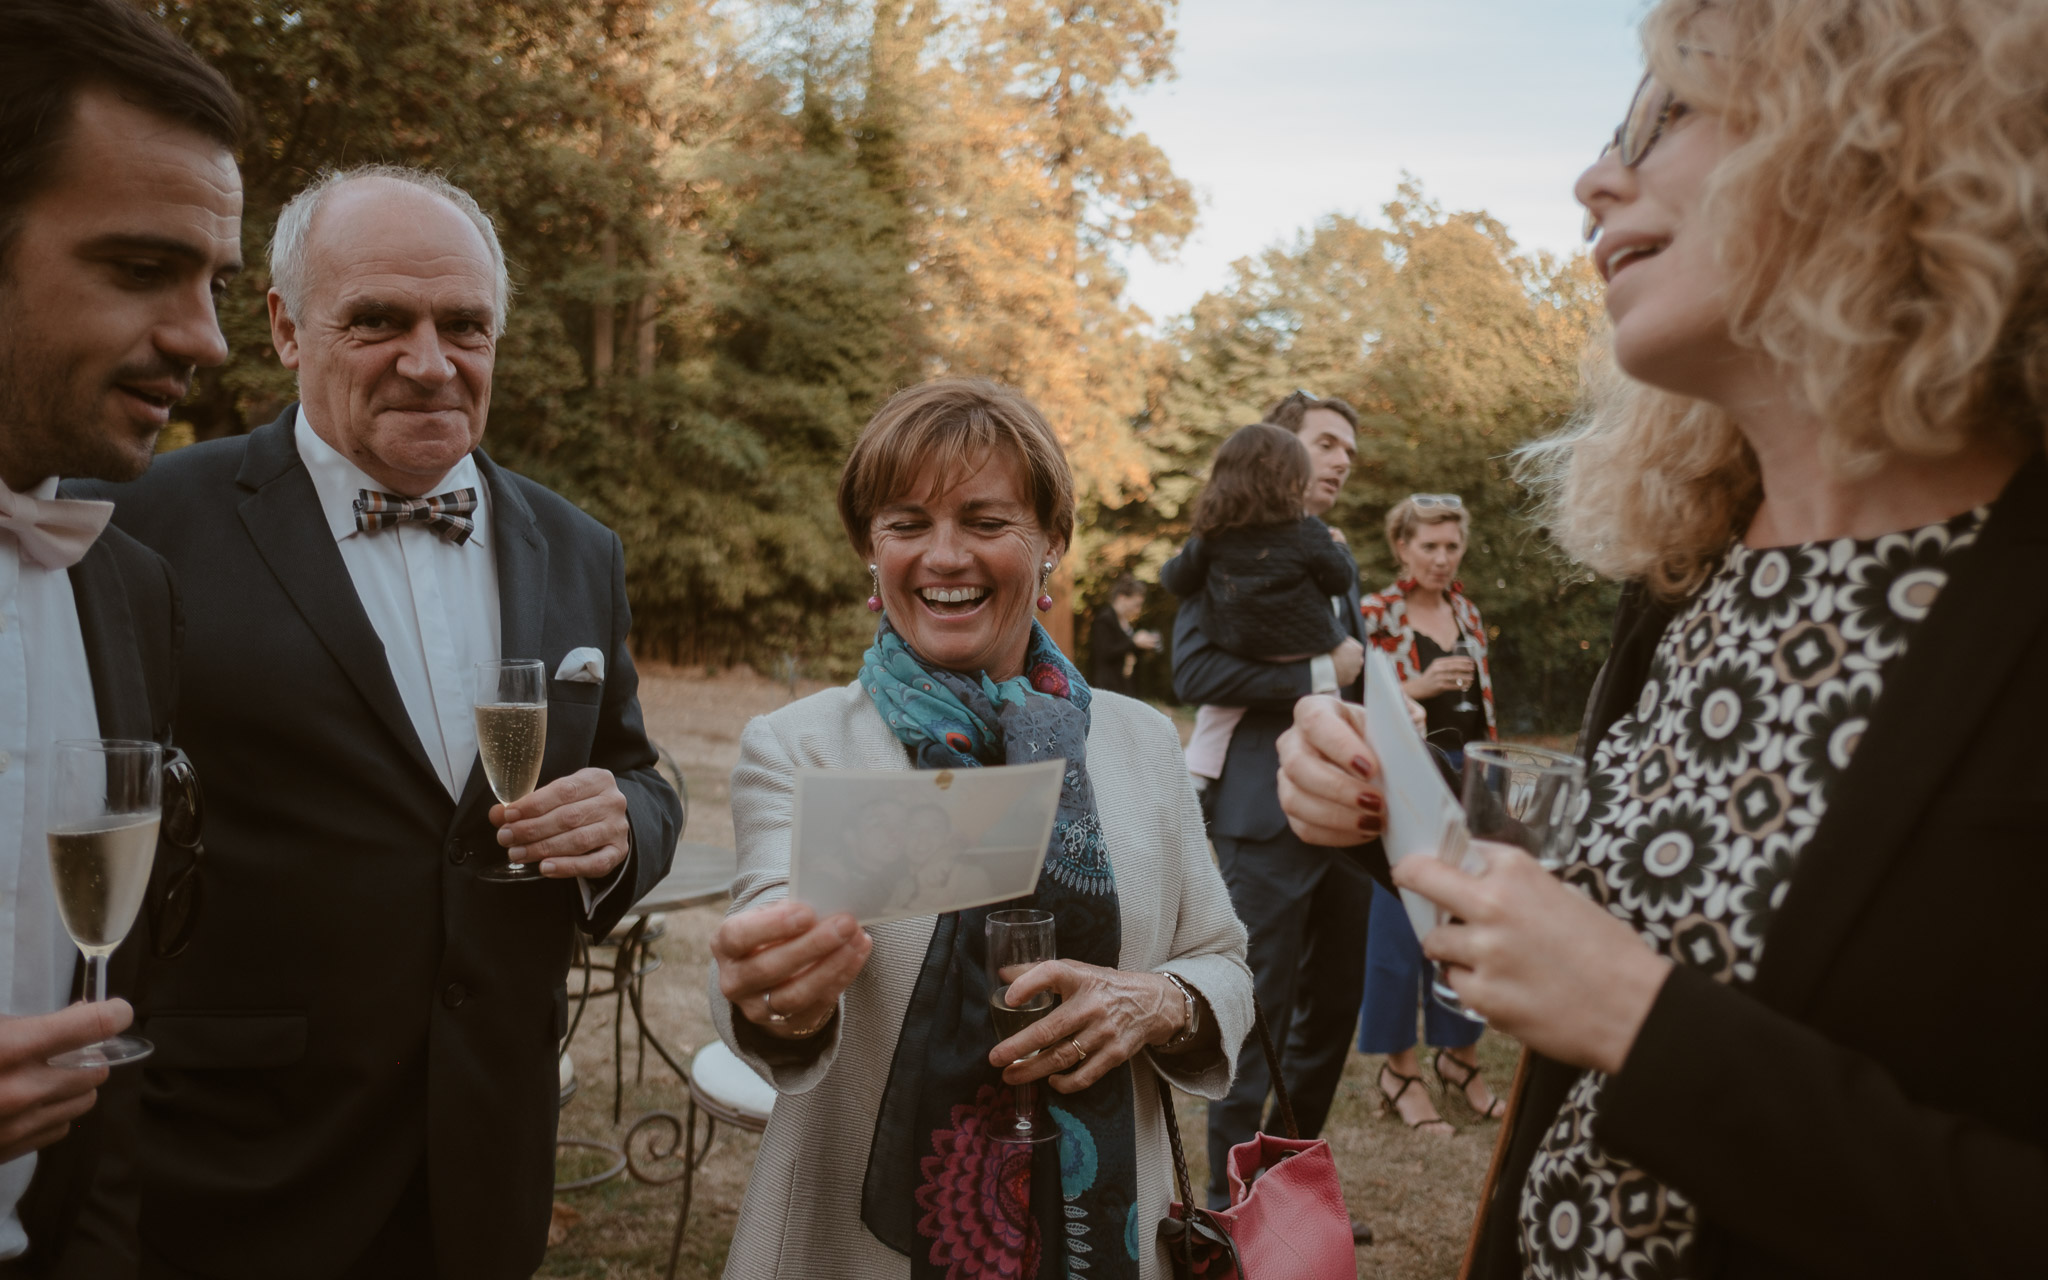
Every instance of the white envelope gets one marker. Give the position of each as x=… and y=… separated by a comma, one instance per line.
x=890, y=844
x=1423, y=817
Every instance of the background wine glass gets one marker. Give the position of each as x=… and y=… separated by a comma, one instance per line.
x=511, y=700
x=106, y=799
x=1524, y=796
x=1018, y=940
x=1470, y=652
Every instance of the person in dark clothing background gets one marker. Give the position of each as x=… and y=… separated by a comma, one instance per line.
x=1115, y=642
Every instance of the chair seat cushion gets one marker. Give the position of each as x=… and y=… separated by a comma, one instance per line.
x=720, y=1076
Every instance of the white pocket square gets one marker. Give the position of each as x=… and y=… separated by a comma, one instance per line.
x=582, y=666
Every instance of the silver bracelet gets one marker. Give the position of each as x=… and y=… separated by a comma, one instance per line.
x=1186, y=1035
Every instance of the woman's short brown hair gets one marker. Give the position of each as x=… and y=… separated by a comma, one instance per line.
x=1404, y=518
x=942, y=428
x=1258, y=477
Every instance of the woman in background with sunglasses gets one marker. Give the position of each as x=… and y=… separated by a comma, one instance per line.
x=1788, y=1008
x=1432, y=631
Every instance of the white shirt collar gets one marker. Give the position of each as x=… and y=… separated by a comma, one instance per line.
x=338, y=482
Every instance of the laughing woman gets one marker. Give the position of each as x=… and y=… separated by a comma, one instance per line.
x=1810, y=871
x=876, y=1162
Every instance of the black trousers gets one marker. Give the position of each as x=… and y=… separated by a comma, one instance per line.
x=1305, y=909
x=403, y=1249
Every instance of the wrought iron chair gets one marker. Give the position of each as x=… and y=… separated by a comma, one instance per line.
x=723, y=1089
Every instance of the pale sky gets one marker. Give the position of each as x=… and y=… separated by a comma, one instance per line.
x=1286, y=111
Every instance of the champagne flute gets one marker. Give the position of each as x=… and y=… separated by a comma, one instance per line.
x=1469, y=651
x=1522, y=796
x=1018, y=940
x=511, y=700
x=106, y=798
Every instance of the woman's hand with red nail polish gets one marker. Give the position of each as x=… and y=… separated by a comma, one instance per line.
x=1320, y=771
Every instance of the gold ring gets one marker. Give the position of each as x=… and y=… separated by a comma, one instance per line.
x=769, y=1005
x=1078, y=1049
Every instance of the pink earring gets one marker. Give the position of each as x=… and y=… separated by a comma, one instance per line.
x=1045, y=597
x=875, y=600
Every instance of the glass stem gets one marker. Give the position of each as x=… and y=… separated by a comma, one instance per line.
x=95, y=978
x=1023, y=1100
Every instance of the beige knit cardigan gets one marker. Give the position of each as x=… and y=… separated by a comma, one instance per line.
x=801, y=1216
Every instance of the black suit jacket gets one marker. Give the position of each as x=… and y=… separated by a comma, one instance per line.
x=79, y=1210
x=355, y=1001
x=1108, y=645
x=1875, y=1103
x=1246, y=804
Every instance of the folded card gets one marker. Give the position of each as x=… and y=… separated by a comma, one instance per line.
x=889, y=844
x=1423, y=817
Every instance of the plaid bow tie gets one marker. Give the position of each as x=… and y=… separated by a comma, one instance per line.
x=445, y=513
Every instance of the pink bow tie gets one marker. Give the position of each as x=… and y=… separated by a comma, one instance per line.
x=54, y=532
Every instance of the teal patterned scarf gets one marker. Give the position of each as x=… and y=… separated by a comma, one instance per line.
x=959, y=1205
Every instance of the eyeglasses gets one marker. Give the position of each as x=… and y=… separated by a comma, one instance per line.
x=1650, y=112
x=1437, y=501
x=173, y=913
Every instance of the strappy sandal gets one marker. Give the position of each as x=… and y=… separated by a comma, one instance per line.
x=1494, y=1111
x=1394, y=1100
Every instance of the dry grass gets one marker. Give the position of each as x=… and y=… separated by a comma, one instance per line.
x=1417, y=1190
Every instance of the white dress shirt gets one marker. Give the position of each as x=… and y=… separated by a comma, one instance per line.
x=45, y=696
x=433, y=602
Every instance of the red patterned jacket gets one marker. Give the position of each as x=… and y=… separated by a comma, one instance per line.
x=1387, y=629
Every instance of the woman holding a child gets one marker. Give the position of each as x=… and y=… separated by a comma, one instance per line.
x=879, y=1042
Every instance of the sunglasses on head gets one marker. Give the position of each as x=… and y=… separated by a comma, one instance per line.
x=1437, y=501
x=174, y=912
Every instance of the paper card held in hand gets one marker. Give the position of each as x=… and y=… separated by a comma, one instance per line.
x=1423, y=817
x=886, y=844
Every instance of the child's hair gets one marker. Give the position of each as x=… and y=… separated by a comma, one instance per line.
x=1258, y=477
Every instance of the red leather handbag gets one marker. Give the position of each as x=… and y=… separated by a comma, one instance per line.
x=1287, y=1219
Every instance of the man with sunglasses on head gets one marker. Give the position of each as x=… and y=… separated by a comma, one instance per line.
x=120, y=218
x=1305, y=907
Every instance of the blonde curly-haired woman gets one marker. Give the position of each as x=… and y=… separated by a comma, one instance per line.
x=1810, y=872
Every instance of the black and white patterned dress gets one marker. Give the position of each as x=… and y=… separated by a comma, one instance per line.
x=1697, y=808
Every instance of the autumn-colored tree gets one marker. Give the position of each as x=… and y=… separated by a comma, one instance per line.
x=1455, y=348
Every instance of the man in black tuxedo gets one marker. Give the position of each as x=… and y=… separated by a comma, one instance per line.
x=120, y=214
x=1304, y=907
x=355, y=1072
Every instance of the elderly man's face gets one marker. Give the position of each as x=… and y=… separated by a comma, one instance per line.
x=395, y=349
x=107, y=292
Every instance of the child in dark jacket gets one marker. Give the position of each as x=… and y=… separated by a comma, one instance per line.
x=1269, y=571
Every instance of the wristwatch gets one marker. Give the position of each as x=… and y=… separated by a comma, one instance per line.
x=1186, y=1035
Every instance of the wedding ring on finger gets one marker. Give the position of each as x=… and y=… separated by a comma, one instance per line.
x=1080, y=1054
x=769, y=1005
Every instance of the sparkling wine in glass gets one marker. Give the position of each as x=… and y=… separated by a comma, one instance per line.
x=1525, y=796
x=106, y=798
x=1017, y=940
x=1467, y=650
x=511, y=700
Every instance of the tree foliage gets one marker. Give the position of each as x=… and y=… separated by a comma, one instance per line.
x=1455, y=348
x=736, y=226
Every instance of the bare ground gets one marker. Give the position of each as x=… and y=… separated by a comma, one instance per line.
x=1418, y=1191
